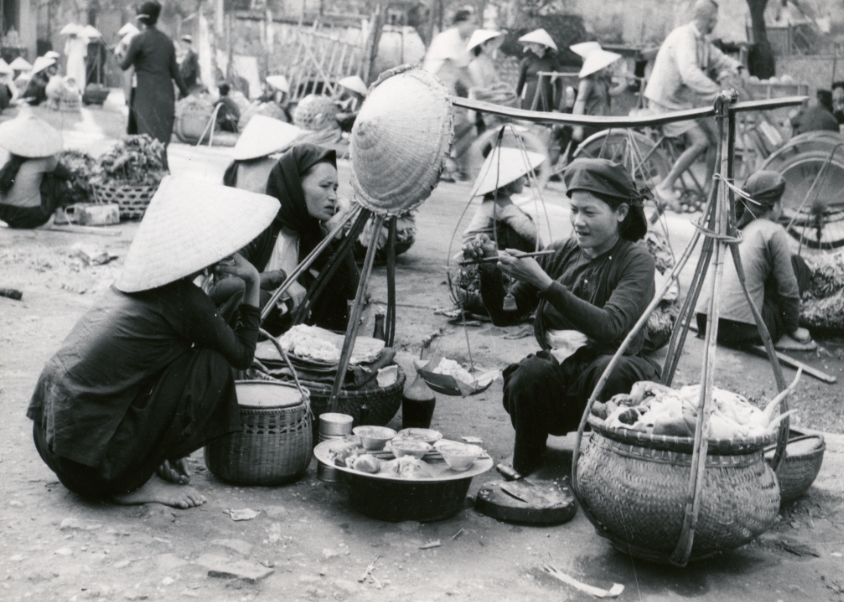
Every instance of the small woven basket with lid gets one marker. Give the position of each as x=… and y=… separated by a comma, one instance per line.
x=315, y=112
x=400, y=139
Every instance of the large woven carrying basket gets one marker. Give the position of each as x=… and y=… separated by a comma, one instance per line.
x=133, y=199
x=367, y=406
x=802, y=463
x=637, y=494
x=274, y=443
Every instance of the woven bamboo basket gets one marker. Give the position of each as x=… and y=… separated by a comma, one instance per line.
x=274, y=443
x=367, y=406
x=802, y=463
x=636, y=491
x=133, y=199
x=95, y=94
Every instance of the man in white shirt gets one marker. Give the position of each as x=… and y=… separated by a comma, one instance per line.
x=448, y=58
x=680, y=80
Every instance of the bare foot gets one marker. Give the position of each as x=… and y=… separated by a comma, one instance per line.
x=156, y=491
x=175, y=471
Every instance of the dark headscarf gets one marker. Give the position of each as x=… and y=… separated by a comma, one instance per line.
x=285, y=184
x=149, y=11
x=611, y=183
x=765, y=188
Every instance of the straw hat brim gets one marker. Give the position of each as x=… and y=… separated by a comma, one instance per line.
x=400, y=140
x=355, y=84
x=596, y=61
x=91, y=32
x=189, y=225
x=479, y=36
x=41, y=63
x=504, y=166
x=584, y=49
x=71, y=28
x=30, y=137
x=5, y=68
x=539, y=36
x=279, y=82
x=264, y=136
x=20, y=64
x=128, y=29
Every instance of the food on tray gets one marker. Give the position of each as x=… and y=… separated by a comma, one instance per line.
x=455, y=370
x=366, y=463
x=302, y=341
x=656, y=409
x=426, y=435
x=409, y=447
x=373, y=438
x=459, y=456
x=408, y=467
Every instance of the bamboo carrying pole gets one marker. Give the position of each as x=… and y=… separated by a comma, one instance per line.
x=720, y=231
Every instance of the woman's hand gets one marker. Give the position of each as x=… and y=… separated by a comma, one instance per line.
x=525, y=270
x=272, y=279
x=479, y=248
x=238, y=266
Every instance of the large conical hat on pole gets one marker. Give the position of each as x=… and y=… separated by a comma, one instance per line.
x=264, y=136
x=189, y=225
x=400, y=140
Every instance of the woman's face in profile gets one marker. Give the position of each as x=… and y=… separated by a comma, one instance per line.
x=320, y=188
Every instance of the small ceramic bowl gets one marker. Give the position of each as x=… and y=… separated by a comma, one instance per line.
x=409, y=447
x=429, y=436
x=459, y=456
x=373, y=438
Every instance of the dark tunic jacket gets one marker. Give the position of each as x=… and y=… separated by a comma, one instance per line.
x=601, y=297
x=529, y=70
x=117, y=352
x=153, y=101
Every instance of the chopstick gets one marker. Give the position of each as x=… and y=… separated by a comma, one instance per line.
x=495, y=259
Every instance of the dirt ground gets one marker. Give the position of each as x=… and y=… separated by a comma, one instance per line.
x=57, y=546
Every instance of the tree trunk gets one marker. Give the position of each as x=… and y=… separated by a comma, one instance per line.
x=762, y=63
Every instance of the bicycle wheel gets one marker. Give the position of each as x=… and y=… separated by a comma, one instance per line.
x=634, y=150
x=813, y=206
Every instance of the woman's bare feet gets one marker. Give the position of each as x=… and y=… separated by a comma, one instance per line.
x=156, y=491
x=175, y=471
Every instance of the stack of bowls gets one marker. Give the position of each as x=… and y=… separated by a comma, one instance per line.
x=332, y=426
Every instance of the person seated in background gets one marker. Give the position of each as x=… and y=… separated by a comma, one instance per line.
x=147, y=374
x=838, y=101
x=33, y=183
x=353, y=92
x=42, y=70
x=815, y=115
x=228, y=114
x=773, y=276
x=587, y=297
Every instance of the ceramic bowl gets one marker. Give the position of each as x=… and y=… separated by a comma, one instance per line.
x=373, y=438
x=459, y=456
x=429, y=436
x=409, y=447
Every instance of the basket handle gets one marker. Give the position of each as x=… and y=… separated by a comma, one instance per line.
x=305, y=395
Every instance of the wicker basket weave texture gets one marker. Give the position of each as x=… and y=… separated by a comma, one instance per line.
x=273, y=446
x=639, y=496
x=799, y=470
x=133, y=200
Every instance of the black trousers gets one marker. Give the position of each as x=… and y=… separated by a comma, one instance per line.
x=190, y=403
x=55, y=193
x=544, y=397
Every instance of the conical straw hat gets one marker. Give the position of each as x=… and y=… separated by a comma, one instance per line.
x=264, y=136
x=92, y=32
x=28, y=136
x=5, y=69
x=479, y=36
x=20, y=64
x=584, y=49
x=503, y=166
x=539, y=36
x=128, y=29
x=355, y=84
x=596, y=61
x=189, y=225
x=279, y=82
x=52, y=54
x=71, y=29
x=400, y=140
x=41, y=63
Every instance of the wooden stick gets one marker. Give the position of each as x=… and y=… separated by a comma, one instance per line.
x=793, y=363
x=613, y=592
x=495, y=259
x=82, y=230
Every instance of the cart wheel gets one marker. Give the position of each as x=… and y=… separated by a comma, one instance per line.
x=531, y=141
x=636, y=151
x=813, y=207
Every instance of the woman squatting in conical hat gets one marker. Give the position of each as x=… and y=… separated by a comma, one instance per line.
x=774, y=277
x=502, y=175
x=304, y=180
x=147, y=374
x=33, y=183
x=587, y=296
